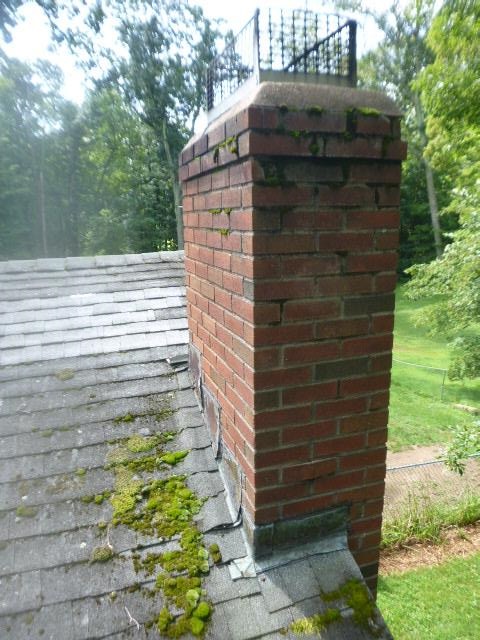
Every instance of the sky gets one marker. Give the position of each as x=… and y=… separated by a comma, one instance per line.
x=31, y=37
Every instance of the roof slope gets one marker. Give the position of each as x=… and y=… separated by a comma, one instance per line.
x=87, y=391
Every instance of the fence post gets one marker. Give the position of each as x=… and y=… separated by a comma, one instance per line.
x=352, y=53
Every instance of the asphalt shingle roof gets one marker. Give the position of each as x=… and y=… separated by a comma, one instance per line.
x=85, y=352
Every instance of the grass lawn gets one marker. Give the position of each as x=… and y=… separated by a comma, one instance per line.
x=418, y=415
x=435, y=603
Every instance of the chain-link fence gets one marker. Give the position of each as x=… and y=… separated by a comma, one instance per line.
x=433, y=382
x=430, y=482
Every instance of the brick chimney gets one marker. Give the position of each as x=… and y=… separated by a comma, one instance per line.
x=291, y=230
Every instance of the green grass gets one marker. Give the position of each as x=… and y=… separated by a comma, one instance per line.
x=436, y=603
x=418, y=414
x=425, y=517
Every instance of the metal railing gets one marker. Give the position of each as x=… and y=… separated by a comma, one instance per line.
x=296, y=42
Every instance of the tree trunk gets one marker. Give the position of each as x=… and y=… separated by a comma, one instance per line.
x=41, y=207
x=432, y=194
x=177, y=192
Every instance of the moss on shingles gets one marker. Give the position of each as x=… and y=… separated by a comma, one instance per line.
x=317, y=623
x=23, y=511
x=164, y=508
x=353, y=594
x=101, y=554
x=65, y=374
x=356, y=596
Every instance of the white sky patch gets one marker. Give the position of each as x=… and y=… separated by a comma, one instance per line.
x=31, y=37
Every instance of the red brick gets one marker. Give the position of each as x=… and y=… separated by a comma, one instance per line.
x=310, y=393
x=308, y=471
x=267, y=400
x=388, y=196
x=364, y=385
x=338, y=481
x=288, y=456
x=367, y=345
x=274, y=196
x=326, y=448
x=232, y=242
x=214, y=275
x=379, y=401
x=235, y=363
x=216, y=135
x=282, y=377
x=341, y=285
x=266, y=358
x=312, y=220
x=348, y=195
x=282, y=289
x=345, y=241
x=205, y=255
x=281, y=417
x=381, y=363
x=341, y=328
x=362, y=460
x=371, y=262
x=310, y=310
x=233, y=282
x=374, y=420
x=217, y=346
x=395, y=150
x=308, y=432
x=303, y=507
x=373, y=125
x=377, y=438
x=266, y=478
x=356, y=148
x=310, y=265
x=387, y=219
x=200, y=236
x=222, y=260
x=387, y=239
x=234, y=324
x=309, y=121
x=340, y=408
x=207, y=290
x=386, y=282
x=382, y=324
x=284, y=244
x=256, y=143
x=198, y=203
x=223, y=298
x=359, y=494
x=220, y=179
x=311, y=352
x=231, y=198
x=281, y=494
x=204, y=183
x=283, y=335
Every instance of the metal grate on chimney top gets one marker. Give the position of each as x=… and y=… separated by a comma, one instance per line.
x=285, y=46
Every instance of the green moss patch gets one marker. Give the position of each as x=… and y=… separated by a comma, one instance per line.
x=65, y=374
x=26, y=512
x=353, y=594
x=101, y=554
x=164, y=508
x=317, y=623
x=356, y=596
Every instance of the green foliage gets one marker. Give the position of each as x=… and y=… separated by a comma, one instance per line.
x=465, y=442
x=451, y=96
x=424, y=517
x=436, y=603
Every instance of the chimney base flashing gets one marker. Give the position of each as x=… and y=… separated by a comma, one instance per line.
x=317, y=530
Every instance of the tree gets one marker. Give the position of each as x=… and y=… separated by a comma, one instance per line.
x=393, y=67
x=450, y=91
